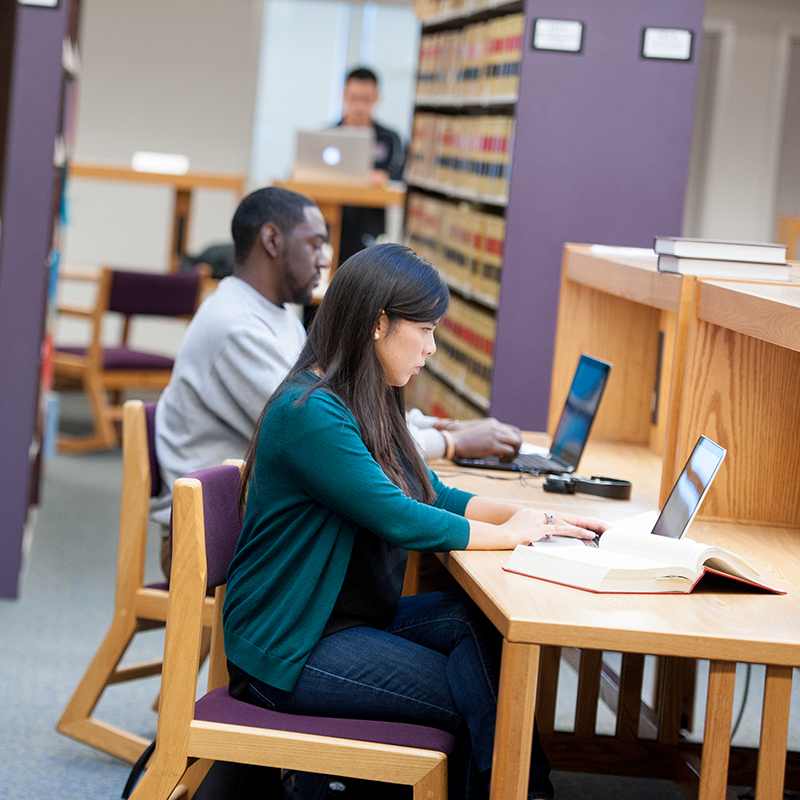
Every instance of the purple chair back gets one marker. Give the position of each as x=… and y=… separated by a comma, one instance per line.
x=155, y=473
x=154, y=293
x=222, y=520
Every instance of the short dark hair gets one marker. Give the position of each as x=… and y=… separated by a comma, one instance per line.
x=362, y=74
x=281, y=207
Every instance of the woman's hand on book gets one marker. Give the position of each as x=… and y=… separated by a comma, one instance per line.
x=548, y=524
x=500, y=526
x=528, y=525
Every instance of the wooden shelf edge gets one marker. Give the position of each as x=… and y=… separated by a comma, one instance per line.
x=468, y=294
x=479, y=101
x=459, y=387
x=470, y=11
x=456, y=192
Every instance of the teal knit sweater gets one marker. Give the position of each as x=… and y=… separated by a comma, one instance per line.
x=314, y=483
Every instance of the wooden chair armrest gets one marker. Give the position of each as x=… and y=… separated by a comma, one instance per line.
x=76, y=311
x=91, y=274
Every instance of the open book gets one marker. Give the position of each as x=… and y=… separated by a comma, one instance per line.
x=631, y=561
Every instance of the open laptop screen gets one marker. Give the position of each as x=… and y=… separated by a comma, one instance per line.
x=580, y=409
x=689, y=490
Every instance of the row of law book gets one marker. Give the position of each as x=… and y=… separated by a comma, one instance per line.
x=433, y=396
x=465, y=245
x=477, y=62
x=470, y=154
x=711, y=258
x=430, y=9
x=465, y=347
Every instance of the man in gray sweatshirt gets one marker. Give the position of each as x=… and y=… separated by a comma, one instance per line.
x=242, y=340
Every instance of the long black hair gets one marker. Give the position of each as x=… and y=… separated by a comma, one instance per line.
x=383, y=279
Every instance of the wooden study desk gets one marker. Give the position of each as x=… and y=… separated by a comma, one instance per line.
x=690, y=356
x=536, y=618
x=184, y=185
x=330, y=197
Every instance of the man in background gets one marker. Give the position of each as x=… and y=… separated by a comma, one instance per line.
x=361, y=225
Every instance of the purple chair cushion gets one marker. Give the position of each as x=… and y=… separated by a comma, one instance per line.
x=154, y=293
x=155, y=472
x=219, y=706
x=162, y=586
x=222, y=520
x=125, y=358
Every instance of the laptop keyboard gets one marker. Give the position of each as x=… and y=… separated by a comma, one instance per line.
x=534, y=461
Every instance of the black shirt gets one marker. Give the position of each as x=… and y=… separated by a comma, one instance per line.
x=374, y=579
x=360, y=224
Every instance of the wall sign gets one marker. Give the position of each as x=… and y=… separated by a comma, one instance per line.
x=562, y=35
x=673, y=44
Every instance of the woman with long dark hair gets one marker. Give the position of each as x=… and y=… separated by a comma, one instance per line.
x=336, y=496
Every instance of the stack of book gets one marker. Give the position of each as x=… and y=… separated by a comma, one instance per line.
x=711, y=258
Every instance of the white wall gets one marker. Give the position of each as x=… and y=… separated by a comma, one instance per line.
x=744, y=149
x=173, y=76
x=787, y=201
x=163, y=76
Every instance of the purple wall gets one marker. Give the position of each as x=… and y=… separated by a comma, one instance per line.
x=601, y=155
x=25, y=242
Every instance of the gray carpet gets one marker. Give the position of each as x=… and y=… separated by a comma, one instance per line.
x=50, y=633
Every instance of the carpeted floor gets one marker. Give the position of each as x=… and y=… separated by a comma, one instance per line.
x=50, y=633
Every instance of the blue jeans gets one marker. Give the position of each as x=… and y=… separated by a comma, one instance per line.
x=437, y=664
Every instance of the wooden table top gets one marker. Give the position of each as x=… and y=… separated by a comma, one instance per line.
x=732, y=626
x=350, y=194
x=767, y=311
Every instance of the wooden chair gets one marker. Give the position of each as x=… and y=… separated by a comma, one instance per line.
x=100, y=370
x=137, y=607
x=206, y=527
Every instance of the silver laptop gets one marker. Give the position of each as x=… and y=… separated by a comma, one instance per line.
x=580, y=409
x=686, y=497
x=687, y=494
x=335, y=155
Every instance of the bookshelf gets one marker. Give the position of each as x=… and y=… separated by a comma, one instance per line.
x=37, y=95
x=526, y=149
x=458, y=176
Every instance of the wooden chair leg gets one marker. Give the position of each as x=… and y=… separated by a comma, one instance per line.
x=191, y=780
x=205, y=649
x=105, y=435
x=434, y=784
x=76, y=720
x=162, y=778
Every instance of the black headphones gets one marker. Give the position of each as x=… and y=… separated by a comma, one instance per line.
x=602, y=487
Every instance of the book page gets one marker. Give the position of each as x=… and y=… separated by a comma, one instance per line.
x=674, y=551
x=685, y=551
